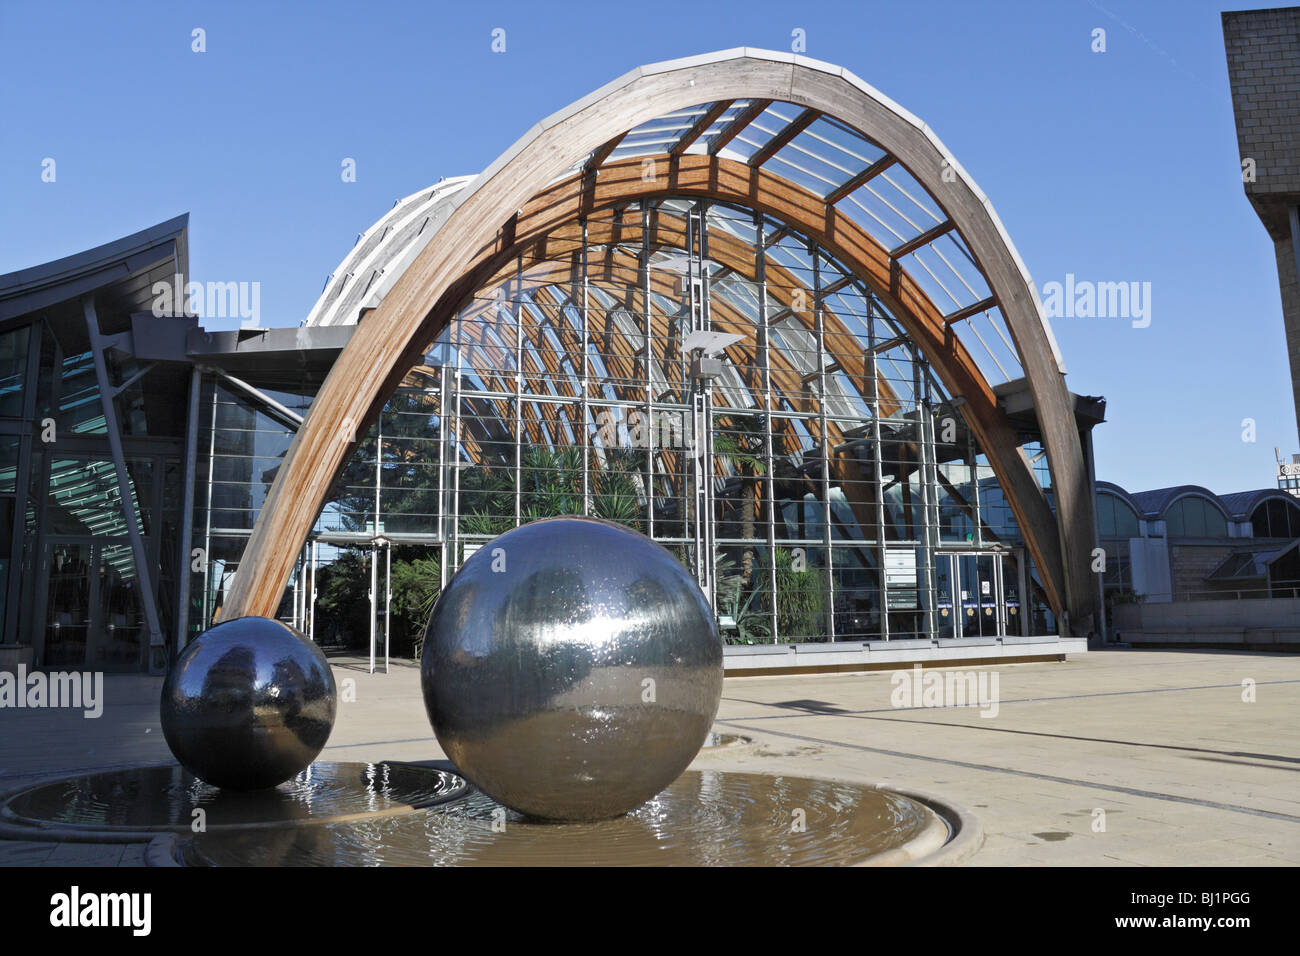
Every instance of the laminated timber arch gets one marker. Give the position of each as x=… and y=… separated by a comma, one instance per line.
x=526, y=195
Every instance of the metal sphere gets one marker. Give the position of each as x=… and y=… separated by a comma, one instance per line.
x=572, y=669
x=248, y=704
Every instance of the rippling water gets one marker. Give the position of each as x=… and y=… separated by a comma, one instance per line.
x=715, y=739
x=706, y=817
x=164, y=798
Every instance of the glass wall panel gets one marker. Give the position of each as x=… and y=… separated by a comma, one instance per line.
x=13, y=371
x=801, y=595
x=858, y=594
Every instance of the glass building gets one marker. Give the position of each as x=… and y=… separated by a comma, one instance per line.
x=810, y=469
x=743, y=326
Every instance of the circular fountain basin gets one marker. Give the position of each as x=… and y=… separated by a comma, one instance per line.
x=706, y=817
x=398, y=814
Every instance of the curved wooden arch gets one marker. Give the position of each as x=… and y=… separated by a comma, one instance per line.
x=510, y=202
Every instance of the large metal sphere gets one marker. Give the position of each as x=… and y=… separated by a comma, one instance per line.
x=248, y=704
x=572, y=669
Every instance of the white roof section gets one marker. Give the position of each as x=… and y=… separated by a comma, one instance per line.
x=383, y=252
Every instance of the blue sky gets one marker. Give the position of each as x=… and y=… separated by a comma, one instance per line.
x=1115, y=166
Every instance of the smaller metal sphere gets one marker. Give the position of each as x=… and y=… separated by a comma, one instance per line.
x=248, y=704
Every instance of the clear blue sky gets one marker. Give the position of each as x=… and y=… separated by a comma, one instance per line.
x=1115, y=166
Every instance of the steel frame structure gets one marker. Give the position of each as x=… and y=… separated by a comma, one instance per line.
x=753, y=151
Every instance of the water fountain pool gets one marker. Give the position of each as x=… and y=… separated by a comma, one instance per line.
x=399, y=814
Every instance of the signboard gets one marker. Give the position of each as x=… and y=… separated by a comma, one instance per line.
x=1288, y=477
x=901, y=593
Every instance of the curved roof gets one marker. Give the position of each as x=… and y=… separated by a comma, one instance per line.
x=1153, y=504
x=1111, y=488
x=1237, y=506
x=803, y=145
x=1242, y=504
x=140, y=259
x=382, y=253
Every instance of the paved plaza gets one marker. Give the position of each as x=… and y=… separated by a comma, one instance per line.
x=1113, y=758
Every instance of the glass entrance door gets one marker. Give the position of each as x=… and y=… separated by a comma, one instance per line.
x=945, y=586
x=971, y=596
x=93, y=617
x=979, y=598
x=68, y=603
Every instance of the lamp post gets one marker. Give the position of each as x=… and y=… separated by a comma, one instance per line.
x=377, y=543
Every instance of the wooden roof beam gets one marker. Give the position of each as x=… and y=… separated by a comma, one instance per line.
x=733, y=129
x=861, y=179
x=700, y=128
x=777, y=142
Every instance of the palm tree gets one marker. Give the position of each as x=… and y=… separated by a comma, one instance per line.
x=741, y=446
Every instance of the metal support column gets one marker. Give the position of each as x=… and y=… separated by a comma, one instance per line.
x=819, y=331
x=295, y=615
x=374, y=599
x=882, y=547
x=187, y=511
x=379, y=472
x=648, y=426
x=107, y=392
x=443, y=437
x=764, y=346
x=585, y=413
x=455, y=453
x=388, y=599
x=701, y=391
x=311, y=619
x=207, y=523
x=929, y=493
x=518, y=312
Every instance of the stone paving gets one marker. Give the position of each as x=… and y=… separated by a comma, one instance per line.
x=1113, y=758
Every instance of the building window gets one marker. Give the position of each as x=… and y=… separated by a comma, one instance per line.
x=1115, y=519
x=1276, y=519
x=1194, y=517
x=13, y=371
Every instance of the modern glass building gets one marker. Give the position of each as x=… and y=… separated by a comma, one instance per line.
x=808, y=466
x=780, y=333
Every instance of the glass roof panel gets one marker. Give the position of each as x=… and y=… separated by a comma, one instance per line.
x=659, y=134
x=986, y=337
x=754, y=137
x=824, y=156
x=702, y=144
x=938, y=282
